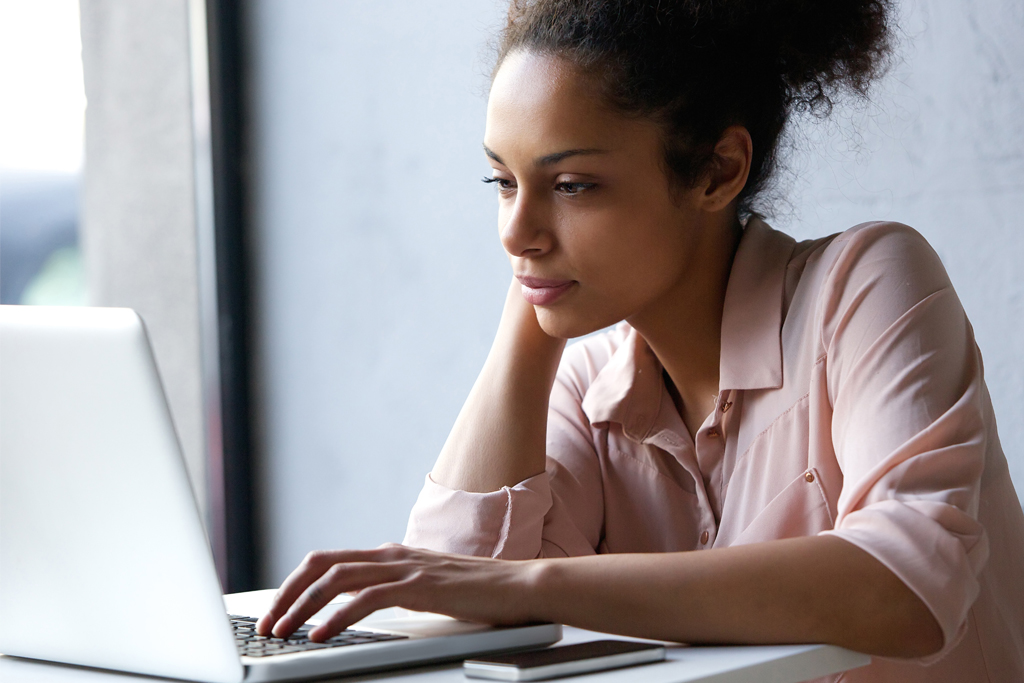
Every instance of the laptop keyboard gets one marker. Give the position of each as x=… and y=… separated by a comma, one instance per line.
x=252, y=645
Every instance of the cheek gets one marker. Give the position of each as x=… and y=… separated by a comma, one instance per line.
x=638, y=259
x=618, y=278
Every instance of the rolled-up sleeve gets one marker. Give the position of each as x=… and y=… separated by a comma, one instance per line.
x=503, y=524
x=556, y=513
x=909, y=418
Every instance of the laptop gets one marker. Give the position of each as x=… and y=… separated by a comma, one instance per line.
x=104, y=561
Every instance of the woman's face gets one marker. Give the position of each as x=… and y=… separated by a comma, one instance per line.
x=594, y=231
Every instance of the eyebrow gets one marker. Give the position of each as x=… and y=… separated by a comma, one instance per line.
x=549, y=159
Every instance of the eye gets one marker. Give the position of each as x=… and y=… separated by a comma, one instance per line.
x=572, y=189
x=504, y=184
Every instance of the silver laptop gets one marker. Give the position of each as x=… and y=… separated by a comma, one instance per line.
x=103, y=558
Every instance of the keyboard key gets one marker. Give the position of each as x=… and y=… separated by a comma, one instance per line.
x=252, y=645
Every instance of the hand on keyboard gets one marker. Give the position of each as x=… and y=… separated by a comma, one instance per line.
x=471, y=588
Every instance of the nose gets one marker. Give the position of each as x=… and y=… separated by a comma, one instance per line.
x=525, y=232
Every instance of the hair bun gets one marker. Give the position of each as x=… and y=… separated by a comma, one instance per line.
x=821, y=48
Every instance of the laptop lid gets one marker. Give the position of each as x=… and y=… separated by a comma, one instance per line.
x=103, y=556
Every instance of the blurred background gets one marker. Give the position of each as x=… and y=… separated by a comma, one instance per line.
x=42, y=126
x=288, y=191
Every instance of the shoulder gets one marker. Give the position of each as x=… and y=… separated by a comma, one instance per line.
x=867, y=278
x=880, y=260
x=882, y=247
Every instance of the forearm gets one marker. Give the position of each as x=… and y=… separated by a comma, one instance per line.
x=499, y=437
x=815, y=589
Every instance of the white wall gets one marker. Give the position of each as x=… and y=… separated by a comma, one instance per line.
x=380, y=276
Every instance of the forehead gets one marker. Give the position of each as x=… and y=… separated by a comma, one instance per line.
x=541, y=104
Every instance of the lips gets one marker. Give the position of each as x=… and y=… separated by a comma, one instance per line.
x=542, y=291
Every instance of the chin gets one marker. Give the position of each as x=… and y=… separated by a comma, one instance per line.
x=564, y=324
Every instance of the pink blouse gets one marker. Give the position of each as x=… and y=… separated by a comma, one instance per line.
x=852, y=403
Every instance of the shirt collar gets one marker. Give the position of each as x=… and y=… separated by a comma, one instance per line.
x=628, y=389
x=752, y=317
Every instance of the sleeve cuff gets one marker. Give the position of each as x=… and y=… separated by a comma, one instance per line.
x=504, y=524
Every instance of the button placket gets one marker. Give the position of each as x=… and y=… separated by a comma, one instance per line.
x=717, y=429
x=710, y=446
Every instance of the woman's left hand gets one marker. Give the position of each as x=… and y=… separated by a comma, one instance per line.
x=469, y=588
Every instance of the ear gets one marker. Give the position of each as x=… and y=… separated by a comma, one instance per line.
x=729, y=169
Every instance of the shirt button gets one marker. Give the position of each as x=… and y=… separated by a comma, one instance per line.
x=713, y=433
x=704, y=538
x=725, y=406
x=809, y=477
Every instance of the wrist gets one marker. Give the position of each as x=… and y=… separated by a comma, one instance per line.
x=521, y=344
x=540, y=588
x=519, y=320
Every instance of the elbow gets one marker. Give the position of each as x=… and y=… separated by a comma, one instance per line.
x=904, y=628
x=922, y=638
x=914, y=631
x=885, y=617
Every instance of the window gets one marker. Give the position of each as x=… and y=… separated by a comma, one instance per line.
x=41, y=143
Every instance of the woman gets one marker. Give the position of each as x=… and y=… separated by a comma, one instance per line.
x=776, y=443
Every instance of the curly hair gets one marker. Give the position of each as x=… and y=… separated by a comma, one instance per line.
x=700, y=66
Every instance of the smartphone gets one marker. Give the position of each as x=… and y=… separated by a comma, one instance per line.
x=565, y=660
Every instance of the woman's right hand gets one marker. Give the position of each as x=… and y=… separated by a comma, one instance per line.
x=499, y=437
x=475, y=589
x=519, y=319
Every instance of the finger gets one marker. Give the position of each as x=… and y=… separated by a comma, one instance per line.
x=338, y=579
x=311, y=568
x=366, y=603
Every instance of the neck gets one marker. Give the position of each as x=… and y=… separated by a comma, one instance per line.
x=684, y=328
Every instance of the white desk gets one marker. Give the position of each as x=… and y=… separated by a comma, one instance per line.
x=732, y=664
